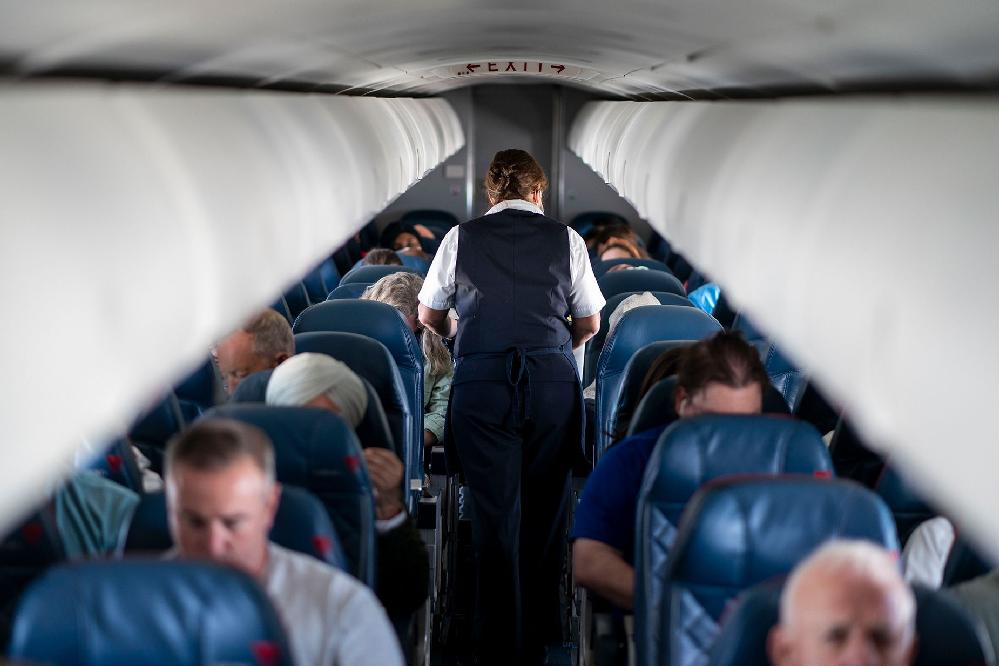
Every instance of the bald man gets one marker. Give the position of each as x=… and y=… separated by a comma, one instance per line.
x=846, y=605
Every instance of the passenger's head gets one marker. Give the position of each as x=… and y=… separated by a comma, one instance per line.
x=720, y=375
x=261, y=344
x=514, y=174
x=221, y=494
x=382, y=257
x=407, y=240
x=318, y=380
x=619, y=250
x=845, y=604
x=401, y=291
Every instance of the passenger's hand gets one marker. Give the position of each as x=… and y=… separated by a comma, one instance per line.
x=423, y=231
x=385, y=470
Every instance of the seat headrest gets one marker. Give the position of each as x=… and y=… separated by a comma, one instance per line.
x=633, y=378
x=253, y=388
x=905, y=503
x=321, y=280
x=372, y=274
x=317, y=450
x=736, y=532
x=199, y=386
x=301, y=524
x=383, y=323
x=343, y=292
x=637, y=328
x=148, y=612
x=619, y=282
x=600, y=268
x=658, y=408
x=694, y=451
x=159, y=424
x=946, y=634
x=761, y=509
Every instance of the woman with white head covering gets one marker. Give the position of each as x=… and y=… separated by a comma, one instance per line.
x=318, y=380
x=630, y=303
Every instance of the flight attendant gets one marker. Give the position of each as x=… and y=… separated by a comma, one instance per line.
x=525, y=295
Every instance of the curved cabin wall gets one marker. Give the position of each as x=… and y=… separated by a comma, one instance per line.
x=139, y=225
x=862, y=234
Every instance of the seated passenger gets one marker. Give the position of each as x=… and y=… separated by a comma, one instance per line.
x=720, y=375
x=980, y=597
x=630, y=303
x=261, y=344
x=318, y=380
x=92, y=515
x=845, y=604
x=400, y=290
x=221, y=500
x=379, y=256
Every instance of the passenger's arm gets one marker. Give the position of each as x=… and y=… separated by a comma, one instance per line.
x=438, y=321
x=435, y=411
x=584, y=328
x=600, y=568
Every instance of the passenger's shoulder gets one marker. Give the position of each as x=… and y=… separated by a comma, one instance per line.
x=308, y=570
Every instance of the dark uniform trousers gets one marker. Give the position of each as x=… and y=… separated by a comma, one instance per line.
x=518, y=477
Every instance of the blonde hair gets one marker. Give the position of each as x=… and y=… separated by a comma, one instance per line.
x=400, y=290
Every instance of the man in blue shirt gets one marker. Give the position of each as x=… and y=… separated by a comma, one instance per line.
x=721, y=375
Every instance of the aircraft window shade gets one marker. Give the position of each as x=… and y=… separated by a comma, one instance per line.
x=149, y=612
x=906, y=505
x=620, y=282
x=600, y=268
x=300, y=524
x=372, y=274
x=383, y=323
x=733, y=534
x=596, y=344
x=637, y=328
x=946, y=633
x=316, y=450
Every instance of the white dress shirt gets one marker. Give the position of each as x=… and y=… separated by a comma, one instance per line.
x=585, y=298
x=329, y=617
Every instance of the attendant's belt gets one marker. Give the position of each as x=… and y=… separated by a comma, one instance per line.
x=517, y=369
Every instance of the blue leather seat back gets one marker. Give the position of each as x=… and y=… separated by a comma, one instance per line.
x=159, y=424
x=373, y=362
x=694, y=451
x=383, y=323
x=620, y=282
x=415, y=264
x=25, y=553
x=321, y=280
x=631, y=383
x=600, y=268
x=118, y=464
x=637, y=328
x=658, y=408
x=594, y=345
x=196, y=392
x=906, y=505
x=374, y=429
x=372, y=274
x=348, y=291
x=964, y=563
x=946, y=633
x=147, y=612
x=316, y=450
x=301, y=524
x=734, y=534
x=297, y=299
x=281, y=307
x=786, y=378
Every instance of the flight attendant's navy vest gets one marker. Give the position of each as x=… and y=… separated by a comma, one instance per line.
x=513, y=281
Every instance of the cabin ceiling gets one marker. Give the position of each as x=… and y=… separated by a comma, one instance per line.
x=639, y=50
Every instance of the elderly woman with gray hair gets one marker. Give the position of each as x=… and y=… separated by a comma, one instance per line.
x=318, y=380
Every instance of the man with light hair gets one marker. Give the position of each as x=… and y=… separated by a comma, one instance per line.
x=221, y=501
x=846, y=604
x=264, y=342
